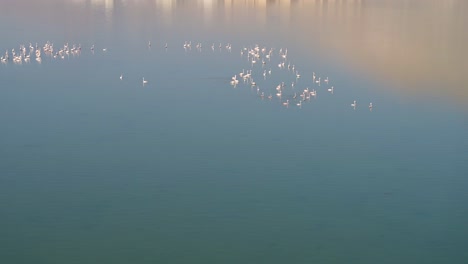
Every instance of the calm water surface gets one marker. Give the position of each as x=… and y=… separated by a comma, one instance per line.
x=190, y=169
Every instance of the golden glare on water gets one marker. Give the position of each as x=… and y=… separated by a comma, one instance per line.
x=416, y=45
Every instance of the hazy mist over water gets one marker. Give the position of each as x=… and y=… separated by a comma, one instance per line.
x=134, y=148
x=416, y=48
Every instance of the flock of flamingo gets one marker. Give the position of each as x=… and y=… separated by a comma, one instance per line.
x=287, y=93
x=259, y=63
x=24, y=54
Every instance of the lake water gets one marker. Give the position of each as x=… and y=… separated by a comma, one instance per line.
x=188, y=168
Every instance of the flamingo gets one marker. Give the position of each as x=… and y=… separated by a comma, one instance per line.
x=313, y=93
x=234, y=80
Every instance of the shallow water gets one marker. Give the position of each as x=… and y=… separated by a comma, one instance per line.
x=189, y=168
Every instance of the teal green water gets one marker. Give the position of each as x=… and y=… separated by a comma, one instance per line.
x=189, y=169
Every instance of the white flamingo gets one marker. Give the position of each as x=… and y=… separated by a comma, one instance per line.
x=313, y=93
x=234, y=80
